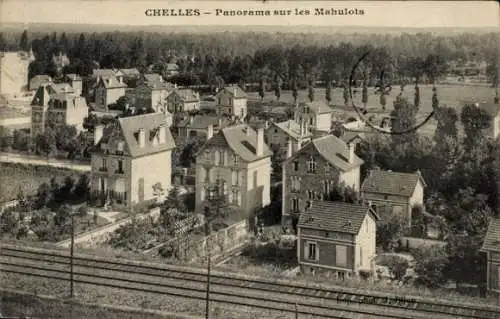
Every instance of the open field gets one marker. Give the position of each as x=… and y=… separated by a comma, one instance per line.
x=28, y=178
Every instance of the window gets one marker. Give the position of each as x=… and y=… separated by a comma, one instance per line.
x=310, y=194
x=295, y=184
x=326, y=188
x=295, y=166
x=119, y=148
x=255, y=179
x=235, y=197
x=217, y=158
x=120, y=166
x=235, y=160
x=275, y=130
x=341, y=255
x=311, y=121
x=311, y=165
x=222, y=159
x=295, y=204
x=312, y=251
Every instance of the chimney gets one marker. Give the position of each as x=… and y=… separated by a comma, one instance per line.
x=142, y=138
x=289, y=151
x=162, y=133
x=98, y=131
x=210, y=131
x=260, y=142
x=351, y=146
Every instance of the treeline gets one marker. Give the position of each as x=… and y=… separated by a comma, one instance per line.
x=252, y=57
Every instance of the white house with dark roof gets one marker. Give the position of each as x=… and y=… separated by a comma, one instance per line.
x=336, y=237
x=393, y=193
x=314, y=172
x=278, y=136
x=183, y=100
x=317, y=114
x=232, y=100
x=491, y=246
x=238, y=160
x=108, y=90
x=131, y=161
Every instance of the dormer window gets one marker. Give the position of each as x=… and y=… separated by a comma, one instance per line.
x=311, y=165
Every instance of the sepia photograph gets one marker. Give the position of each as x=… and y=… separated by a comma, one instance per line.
x=249, y=159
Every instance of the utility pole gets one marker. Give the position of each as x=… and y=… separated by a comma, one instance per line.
x=71, y=255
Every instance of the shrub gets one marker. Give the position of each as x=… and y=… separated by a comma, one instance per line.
x=364, y=274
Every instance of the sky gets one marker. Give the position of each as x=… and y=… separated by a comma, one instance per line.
x=409, y=14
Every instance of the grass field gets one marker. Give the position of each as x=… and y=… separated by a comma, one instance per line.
x=28, y=178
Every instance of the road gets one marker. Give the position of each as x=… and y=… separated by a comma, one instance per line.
x=37, y=160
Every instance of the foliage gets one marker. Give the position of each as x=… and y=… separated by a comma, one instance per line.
x=173, y=199
x=389, y=232
x=404, y=118
x=435, y=100
x=397, y=266
x=474, y=121
x=342, y=193
x=430, y=265
x=416, y=99
x=310, y=93
x=328, y=91
x=135, y=236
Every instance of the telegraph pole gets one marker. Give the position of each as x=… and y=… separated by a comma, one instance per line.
x=71, y=255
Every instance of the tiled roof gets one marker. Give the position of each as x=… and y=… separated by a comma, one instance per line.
x=103, y=72
x=236, y=138
x=111, y=82
x=292, y=129
x=187, y=95
x=130, y=72
x=393, y=183
x=349, y=136
x=492, y=238
x=38, y=80
x=153, y=77
x=203, y=121
x=334, y=150
x=318, y=107
x=131, y=125
x=335, y=216
x=235, y=91
x=60, y=88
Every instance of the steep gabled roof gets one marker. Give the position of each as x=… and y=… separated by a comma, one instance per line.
x=130, y=72
x=391, y=183
x=241, y=139
x=153, y=77
x=318, y=107
x=111, y=82
x=492, y=239
x=333, y=150
x=292, y=129
x=335, y=216
x=60, y=88
x=103, y=72
x=38, y=80
x=203, y=121
x=235, y=91
x=187, y=95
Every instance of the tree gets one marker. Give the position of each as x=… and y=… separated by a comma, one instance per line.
x=277, y=89
x=328, y=91
x=397, y=266
x=364, y=98
x=23, y=43
x=430, y=265
x=173, y=199
x=434, y=67
x=403, y=119
x=8, y=222
x=310, y=95
x=262, y=89
x=474, y=120
x=346, y=94
x=295, y=90
x=389, y=233
x=435, y=100
x=416, y=99
x=447, y=118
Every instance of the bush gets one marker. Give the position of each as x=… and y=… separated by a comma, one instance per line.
x=364, y=274
x=397, y=266
x=83, y=211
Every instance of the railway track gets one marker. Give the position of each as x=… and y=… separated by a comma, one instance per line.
x=191, y=283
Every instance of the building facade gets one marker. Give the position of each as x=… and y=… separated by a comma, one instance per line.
x=393, y=193
x=491, y=247
x=131, y=161
x=337, y=237
x=108, y=91
x=57, y=104
x=232, y=101
x=317, y=114
x=278, y=136
x=314, y=172
x=198, y=125
x=184, y=100
x=237, y=160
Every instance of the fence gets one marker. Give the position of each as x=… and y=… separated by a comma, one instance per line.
x=414, y=242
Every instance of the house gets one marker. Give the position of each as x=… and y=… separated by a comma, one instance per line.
x=153, y=95
x=97, y=74
x=108, y=91
x=232, y=100
x=239, y=162
x=353, y=137
x=55, y=104
x=152, y=78
x=317, y=114
x=491, y=246
x=171, y=69
x=314, y=171
x=278, y=135
x=75, y=81
x=393, y=193
x=39, y=80
x=183, y=101
x=336, y=237
x=198, y=125
x=14, y=72
x=131, y=161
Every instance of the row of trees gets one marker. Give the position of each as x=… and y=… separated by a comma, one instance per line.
x=284, y=63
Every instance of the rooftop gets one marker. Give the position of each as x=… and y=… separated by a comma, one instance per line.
x=235, y=91
x=318, y=107
x=492, y=238
x=335, y=216
x=392, y=183
x=292, y=129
